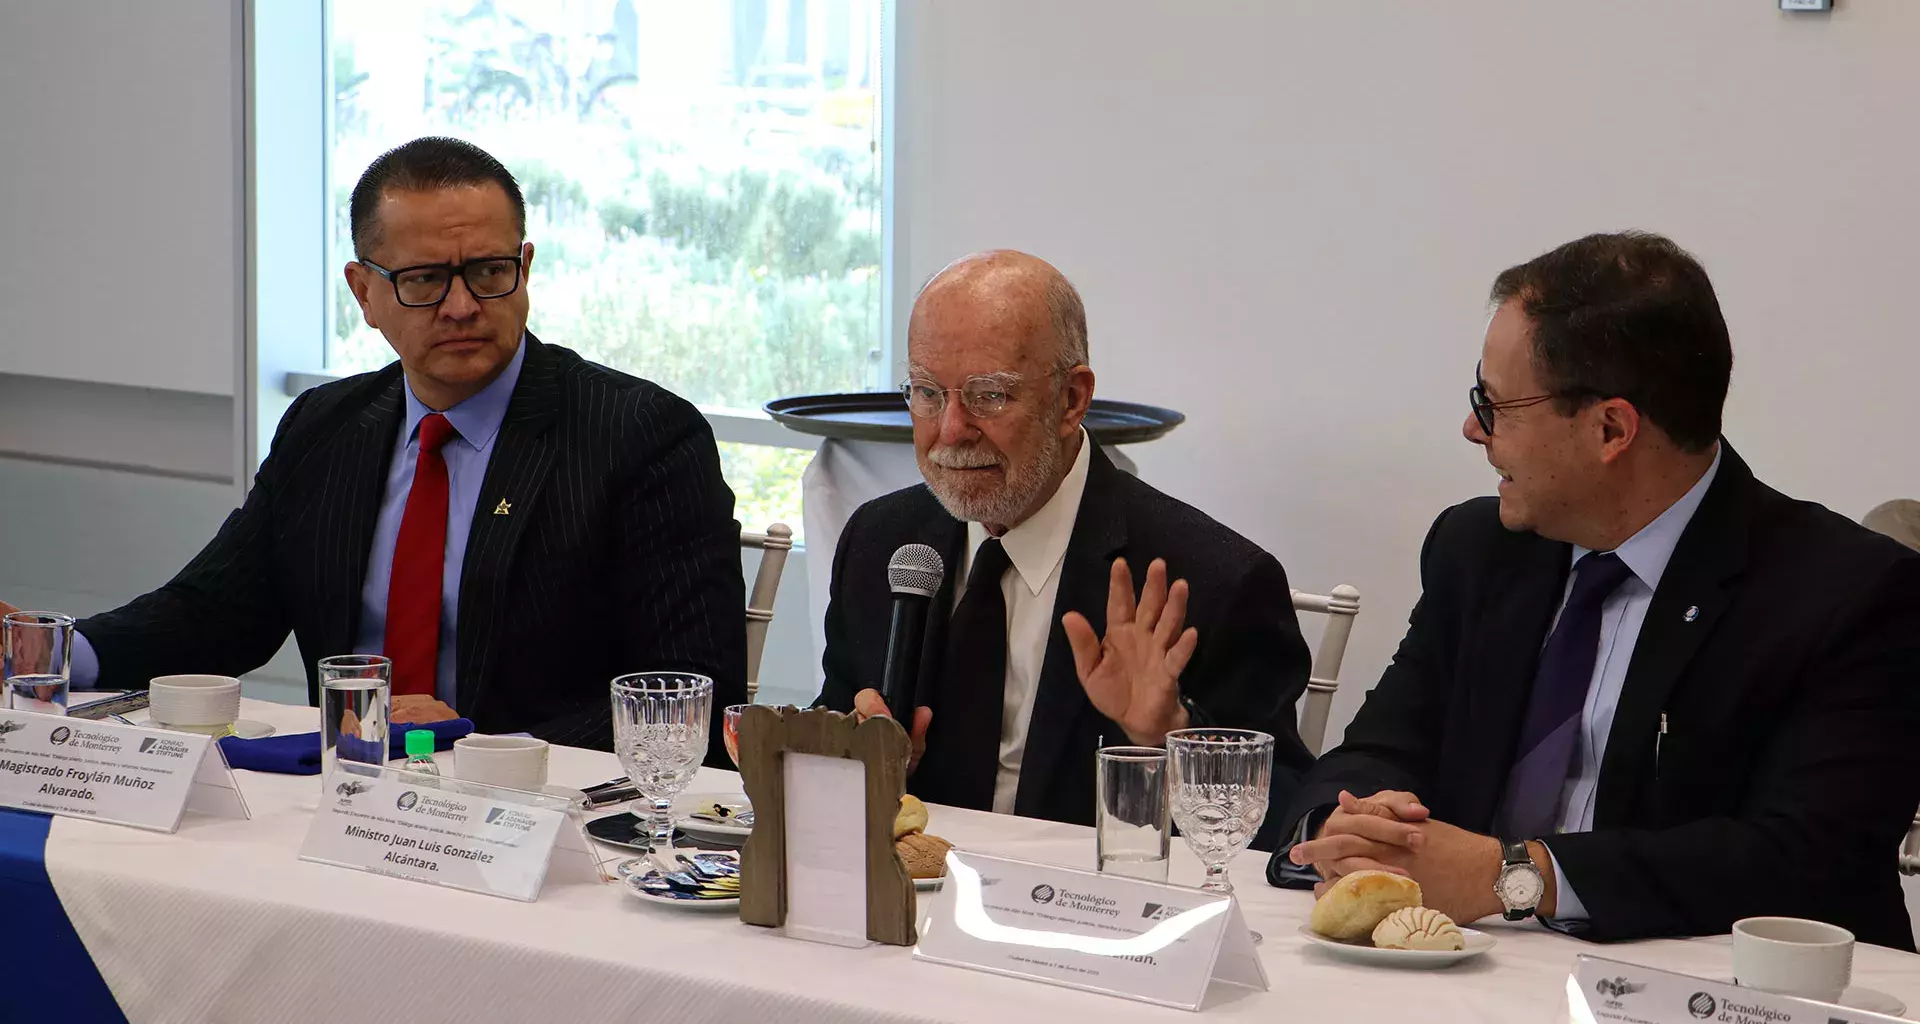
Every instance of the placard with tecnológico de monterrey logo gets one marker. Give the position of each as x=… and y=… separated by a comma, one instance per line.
x=104, y=771
x=1122, y=936
x=440, y=831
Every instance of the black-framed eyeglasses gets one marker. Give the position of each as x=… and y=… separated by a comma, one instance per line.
x=492, y=277
x=1484, y=408
x=984, y=397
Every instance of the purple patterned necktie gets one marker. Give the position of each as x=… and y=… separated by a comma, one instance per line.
x=1551, y=732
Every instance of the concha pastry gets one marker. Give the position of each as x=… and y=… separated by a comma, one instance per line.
x=912, y=817
x=1352, y=906
x=925, y=855
x=1418, y=928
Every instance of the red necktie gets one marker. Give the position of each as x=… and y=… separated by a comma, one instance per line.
x=419, y=559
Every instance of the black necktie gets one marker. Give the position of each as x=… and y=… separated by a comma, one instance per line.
x=1551, y=731
x=963, y=744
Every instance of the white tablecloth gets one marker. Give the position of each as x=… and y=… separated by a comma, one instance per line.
x=223, y=922
x=842, y=476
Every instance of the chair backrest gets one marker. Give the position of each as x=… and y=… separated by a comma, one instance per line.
x=773, y=546
x=1899, y=519
x=1339, y=607
x=1910, y=853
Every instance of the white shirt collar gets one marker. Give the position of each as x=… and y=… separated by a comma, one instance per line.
x=1037, y=546
x=1648, y=551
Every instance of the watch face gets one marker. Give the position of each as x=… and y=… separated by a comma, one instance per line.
x=1521, y=887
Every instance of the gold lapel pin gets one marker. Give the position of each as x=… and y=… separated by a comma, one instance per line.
x=504, y=508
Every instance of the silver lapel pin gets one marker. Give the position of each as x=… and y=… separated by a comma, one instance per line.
x=1693, y=612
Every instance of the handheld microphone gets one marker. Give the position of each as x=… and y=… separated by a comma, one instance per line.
x=914, y=574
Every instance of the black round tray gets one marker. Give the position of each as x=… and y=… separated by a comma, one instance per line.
x=883, y=416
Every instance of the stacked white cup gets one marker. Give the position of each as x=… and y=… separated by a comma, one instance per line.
x=203, y=704
x=511, y=762
x=1793, y=956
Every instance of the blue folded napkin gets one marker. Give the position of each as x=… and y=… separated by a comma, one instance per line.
x=299, y=753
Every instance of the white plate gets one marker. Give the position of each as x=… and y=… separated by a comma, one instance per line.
x=720, y=837
x=684, y=806
x=1412, y=959
x=1872, y=1000
x=1859, y=997
x=250, y=730
x=928, y=884
x=632, y=887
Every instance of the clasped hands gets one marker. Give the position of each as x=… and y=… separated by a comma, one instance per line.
x=1393, y=831
x=1132, y=675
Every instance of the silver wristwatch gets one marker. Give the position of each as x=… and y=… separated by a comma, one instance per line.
x=1519, y=887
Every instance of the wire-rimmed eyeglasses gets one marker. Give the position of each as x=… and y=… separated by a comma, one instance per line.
x=984, y=397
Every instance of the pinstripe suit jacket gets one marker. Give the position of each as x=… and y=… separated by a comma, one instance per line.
x=618, y=553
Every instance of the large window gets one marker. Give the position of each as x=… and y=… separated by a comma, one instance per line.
x=703, y=181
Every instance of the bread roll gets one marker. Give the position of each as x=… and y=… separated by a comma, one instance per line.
x=925, y=855
x=1352, y=907
x=912, y=817
x=1418, y=928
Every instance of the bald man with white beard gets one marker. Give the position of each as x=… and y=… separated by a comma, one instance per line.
x=1038, y=646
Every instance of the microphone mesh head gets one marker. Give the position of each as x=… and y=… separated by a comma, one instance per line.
x=915, y=569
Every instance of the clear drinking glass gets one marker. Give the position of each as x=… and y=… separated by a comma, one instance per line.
x=660, y=723
x=1131, y=825
x=37, y=650
x=1220, y=781
x=355, y=696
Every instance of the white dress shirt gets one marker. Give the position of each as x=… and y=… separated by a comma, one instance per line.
x=1036, y=547
x=1621, y=615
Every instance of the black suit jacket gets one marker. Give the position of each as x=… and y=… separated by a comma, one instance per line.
x=1249, y=668
x=619, y=553
x=1783, y=647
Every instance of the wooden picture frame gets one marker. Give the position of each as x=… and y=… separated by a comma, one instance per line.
x=767, y=734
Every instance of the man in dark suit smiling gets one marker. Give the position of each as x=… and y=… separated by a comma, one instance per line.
x=1037, y=646
x=1643, y=693
x=512, y=525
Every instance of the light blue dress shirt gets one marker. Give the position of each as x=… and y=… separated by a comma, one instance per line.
x=476, y=423
x=1621, y=615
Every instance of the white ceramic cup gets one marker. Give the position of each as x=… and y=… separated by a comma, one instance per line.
x=202, y=704
x=1793, y=956
x=515, y=762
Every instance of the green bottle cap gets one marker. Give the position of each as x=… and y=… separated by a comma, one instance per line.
x=419, y=742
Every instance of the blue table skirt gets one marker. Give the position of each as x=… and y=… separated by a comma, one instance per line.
x=50, y=977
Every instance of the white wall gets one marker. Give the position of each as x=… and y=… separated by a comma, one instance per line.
x=1284, y=217
x=121, y=162
x=121, y=310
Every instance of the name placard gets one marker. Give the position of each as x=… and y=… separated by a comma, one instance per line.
x=105, y=771
x=1610, y=990
x=441, y=831
x=1141, y=940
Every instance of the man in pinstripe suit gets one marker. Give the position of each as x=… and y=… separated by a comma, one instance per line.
x=511, y=524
